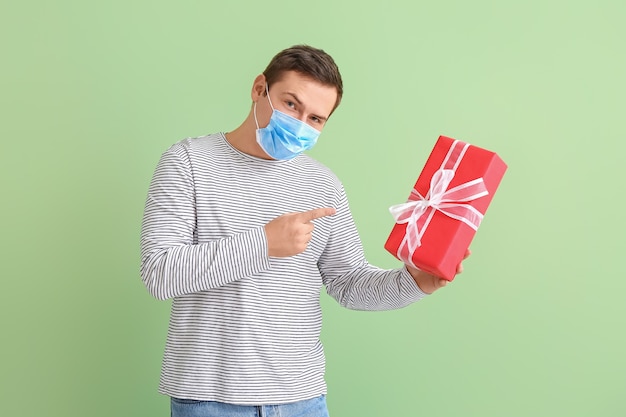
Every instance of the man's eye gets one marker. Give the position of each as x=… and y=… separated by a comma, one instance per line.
x=291, y=104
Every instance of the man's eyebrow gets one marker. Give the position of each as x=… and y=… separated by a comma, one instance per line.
x=297, y=100
x=295, y=97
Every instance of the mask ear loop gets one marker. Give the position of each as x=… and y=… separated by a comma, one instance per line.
x=255, y=120
x=267, y=91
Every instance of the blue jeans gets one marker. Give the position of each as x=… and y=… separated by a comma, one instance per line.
x=193, y=408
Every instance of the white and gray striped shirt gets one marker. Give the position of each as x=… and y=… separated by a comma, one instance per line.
x=244, y=327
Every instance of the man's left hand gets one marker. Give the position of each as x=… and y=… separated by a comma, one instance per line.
x=429, y=283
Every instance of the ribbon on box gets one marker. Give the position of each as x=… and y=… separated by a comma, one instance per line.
x=418, y=211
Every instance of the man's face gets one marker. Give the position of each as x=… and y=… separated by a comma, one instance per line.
x=298, y=96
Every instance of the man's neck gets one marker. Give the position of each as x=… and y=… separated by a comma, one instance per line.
x=243, y=139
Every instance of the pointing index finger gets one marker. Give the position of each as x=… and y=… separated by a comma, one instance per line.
x=307, y=216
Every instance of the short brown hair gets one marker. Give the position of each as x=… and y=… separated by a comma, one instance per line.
x=308, y=61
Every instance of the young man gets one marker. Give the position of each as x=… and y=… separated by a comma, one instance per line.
x=242, y=230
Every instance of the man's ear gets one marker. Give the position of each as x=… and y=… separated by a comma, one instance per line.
x=258, y=87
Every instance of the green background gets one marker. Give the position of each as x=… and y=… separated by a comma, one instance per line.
x=91, y=94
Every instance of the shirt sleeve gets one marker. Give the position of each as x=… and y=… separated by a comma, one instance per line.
x=172, y=261
x=351, y=280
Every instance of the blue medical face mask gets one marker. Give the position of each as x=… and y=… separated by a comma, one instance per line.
x=284, y=137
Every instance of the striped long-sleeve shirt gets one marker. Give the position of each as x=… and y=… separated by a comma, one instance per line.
x=245, y=327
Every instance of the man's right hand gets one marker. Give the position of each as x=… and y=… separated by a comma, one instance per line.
x=290, y=234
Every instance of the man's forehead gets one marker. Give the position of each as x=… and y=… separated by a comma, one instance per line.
x=309, y=90
x=297, y=78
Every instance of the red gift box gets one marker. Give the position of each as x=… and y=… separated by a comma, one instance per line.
x=436, y=225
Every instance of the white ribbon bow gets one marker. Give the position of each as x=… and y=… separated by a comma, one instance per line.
x=452, y=203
